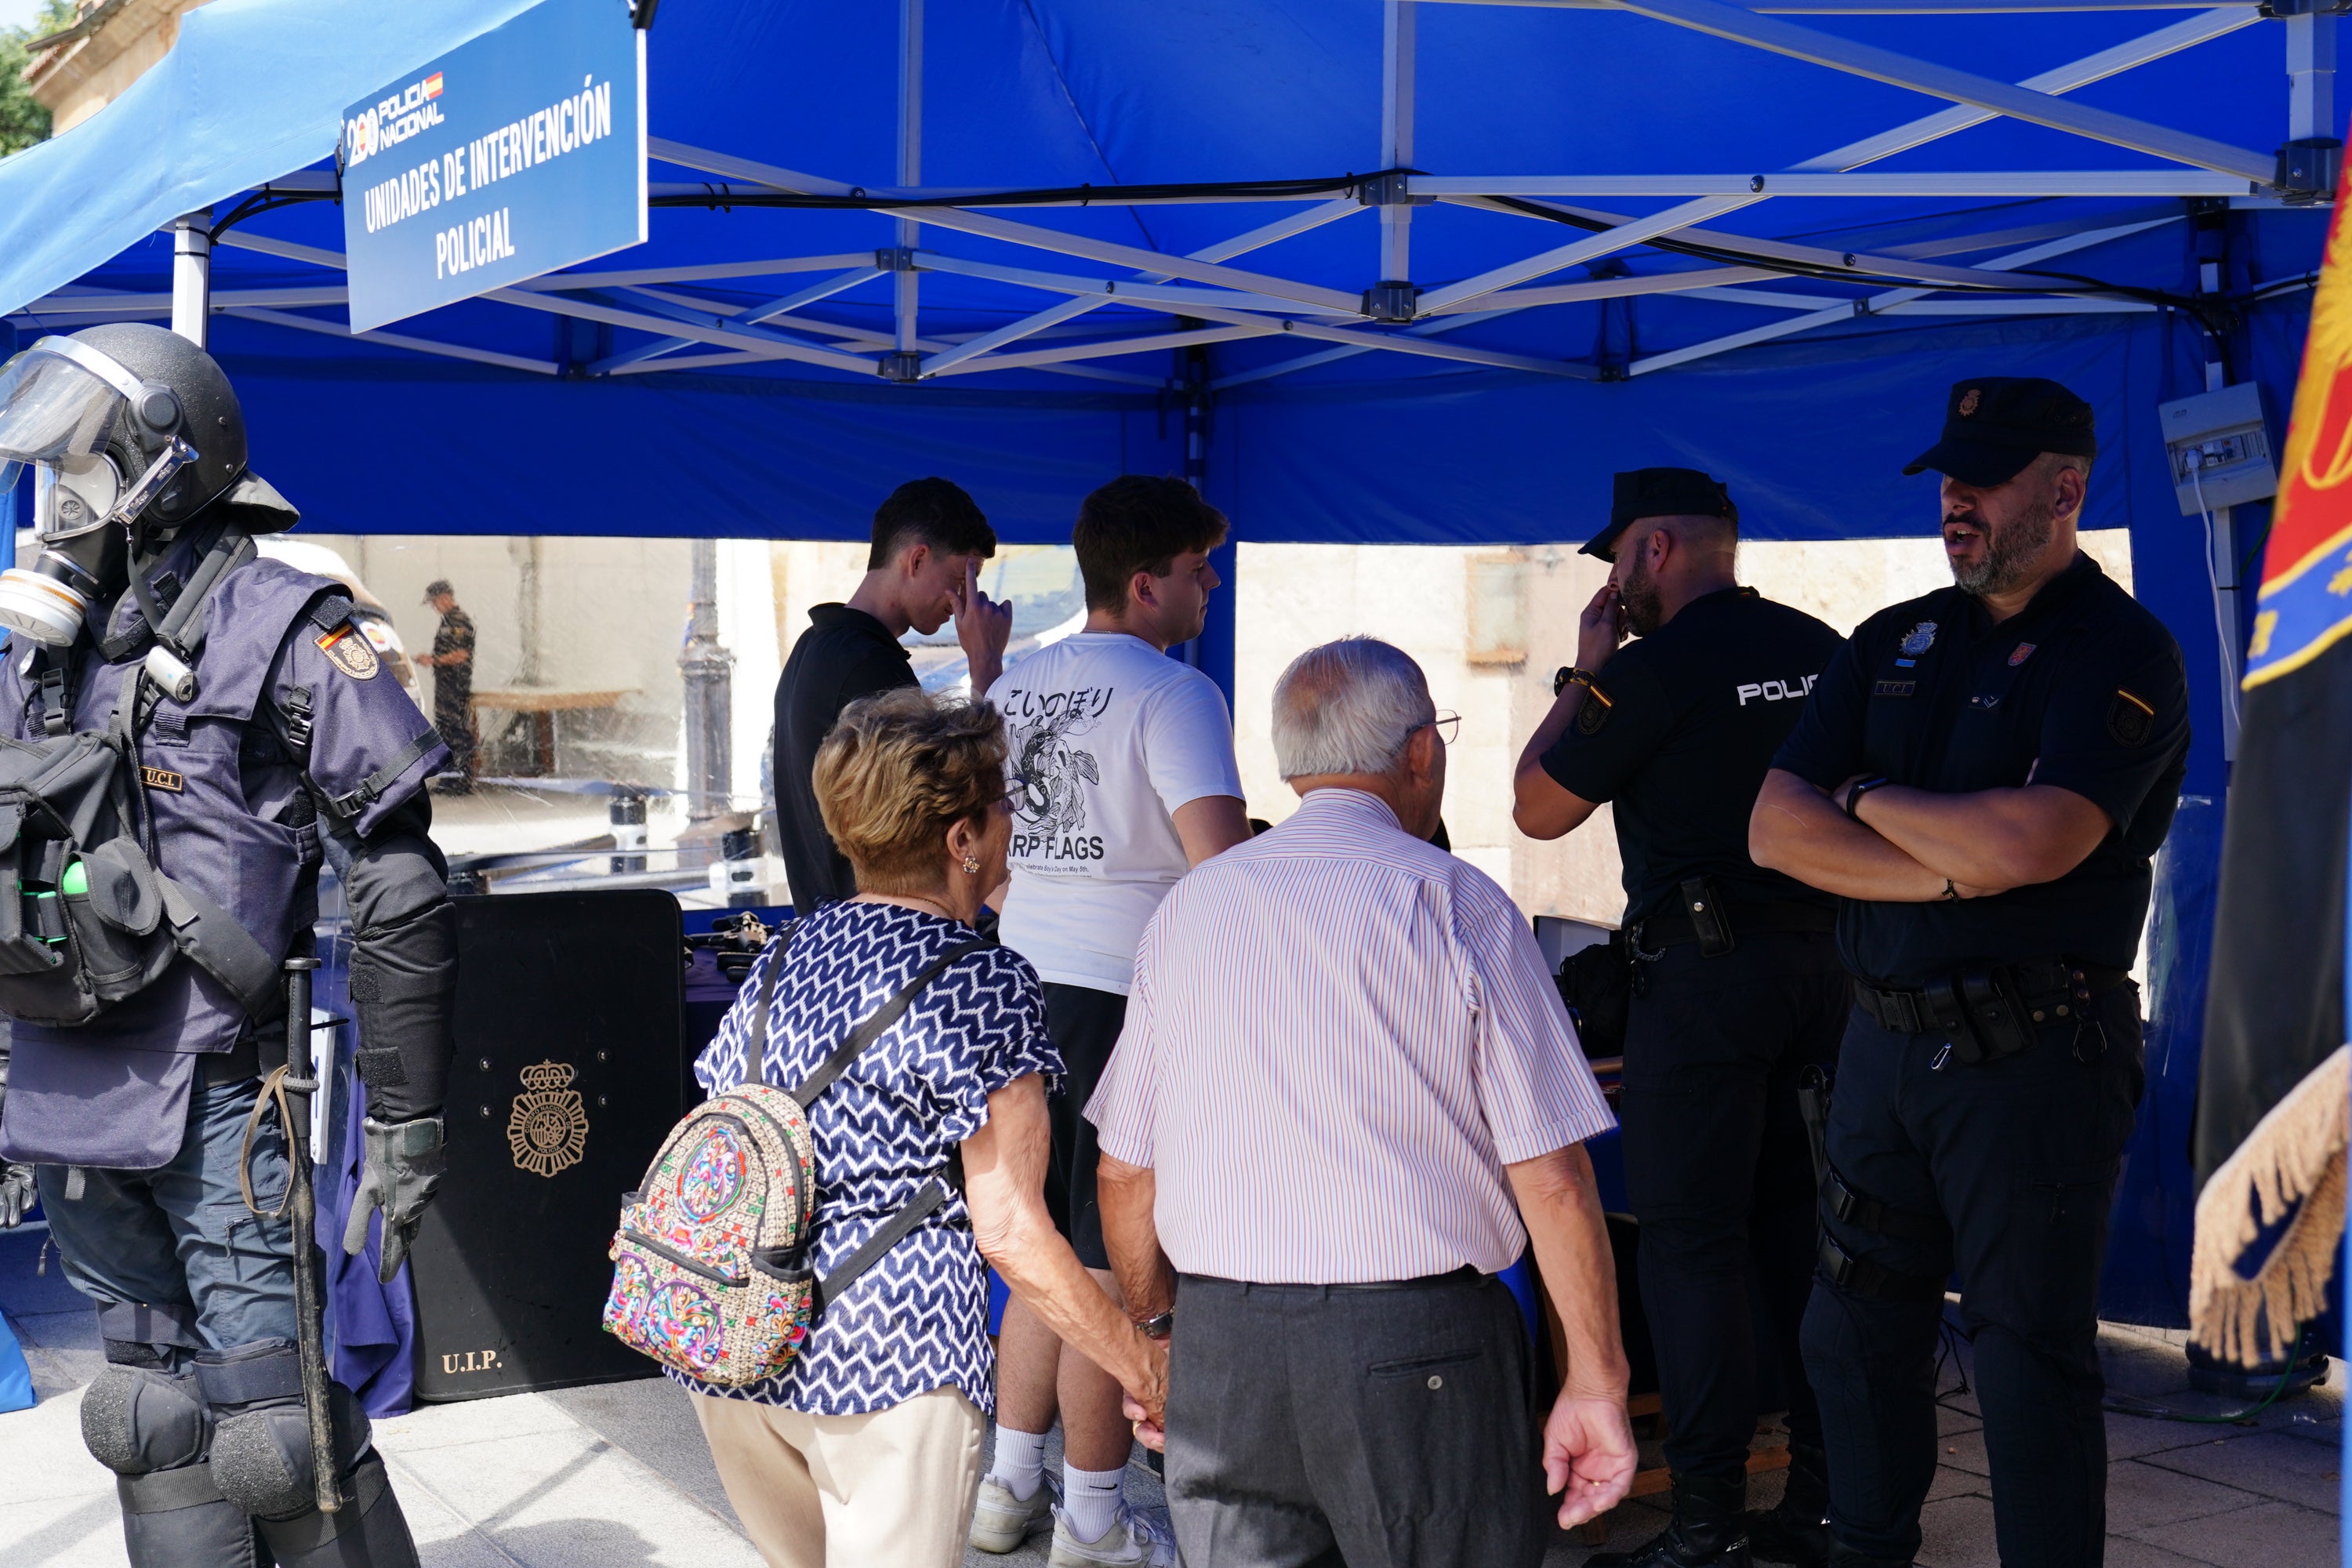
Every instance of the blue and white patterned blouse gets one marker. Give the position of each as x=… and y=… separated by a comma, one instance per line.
x=918, y=1320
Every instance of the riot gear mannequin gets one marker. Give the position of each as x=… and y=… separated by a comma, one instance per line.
x=192, y=723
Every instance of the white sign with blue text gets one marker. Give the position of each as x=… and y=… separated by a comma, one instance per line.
x=515, y=154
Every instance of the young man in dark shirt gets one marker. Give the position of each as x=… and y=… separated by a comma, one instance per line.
x=1737, y=989
x=929, y=538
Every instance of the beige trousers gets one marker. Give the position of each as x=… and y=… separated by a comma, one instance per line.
x=890, y=1490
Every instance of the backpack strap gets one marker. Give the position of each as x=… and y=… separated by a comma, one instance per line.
x=222, y=949
x=755, y=1043
x=927, y=1199
x=865, y=1034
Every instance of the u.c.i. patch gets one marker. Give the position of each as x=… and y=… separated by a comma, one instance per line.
x=162, y=778
x=1895, y=688
x=350, y=652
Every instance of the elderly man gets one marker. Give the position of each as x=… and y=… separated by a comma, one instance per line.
x=1346, y=1098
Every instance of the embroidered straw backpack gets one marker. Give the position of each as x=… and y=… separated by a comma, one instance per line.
x=711, y=1271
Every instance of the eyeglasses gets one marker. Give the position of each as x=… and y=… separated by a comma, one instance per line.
x=1447, y=724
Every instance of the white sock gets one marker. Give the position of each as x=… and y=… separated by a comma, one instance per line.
x=1020, y=1461
x=1091, y=1500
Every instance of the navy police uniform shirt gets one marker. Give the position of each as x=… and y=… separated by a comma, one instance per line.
x=1679, y=730
x=2083, y=689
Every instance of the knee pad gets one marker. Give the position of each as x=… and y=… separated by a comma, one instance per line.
x=368, y=1532
x=136, y=1420
x=261, y=1457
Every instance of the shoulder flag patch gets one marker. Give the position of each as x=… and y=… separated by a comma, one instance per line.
x=350, y=652
x=1595, y=712
x=2130, y=719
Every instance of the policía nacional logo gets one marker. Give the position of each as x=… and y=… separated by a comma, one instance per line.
x=549, y=1129
x=1915, y=642
x=1969, y=401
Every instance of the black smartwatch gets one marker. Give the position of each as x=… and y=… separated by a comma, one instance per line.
x=1853, y=797
x=1568, y=673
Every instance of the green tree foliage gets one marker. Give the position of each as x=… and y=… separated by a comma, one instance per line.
x=24, y=121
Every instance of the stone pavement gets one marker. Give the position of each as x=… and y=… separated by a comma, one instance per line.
x=616, y=1476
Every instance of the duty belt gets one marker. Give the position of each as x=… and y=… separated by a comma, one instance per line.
x=1992, y=1010
x=1762, y=918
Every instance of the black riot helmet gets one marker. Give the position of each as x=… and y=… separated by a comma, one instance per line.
x=187, y=395
x=131, y=432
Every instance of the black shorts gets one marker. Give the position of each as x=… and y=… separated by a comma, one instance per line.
x=1085, y=1024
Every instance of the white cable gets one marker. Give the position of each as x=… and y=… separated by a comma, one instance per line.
x=2222, y=626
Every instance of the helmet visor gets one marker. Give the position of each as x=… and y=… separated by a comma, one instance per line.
x=54, y=409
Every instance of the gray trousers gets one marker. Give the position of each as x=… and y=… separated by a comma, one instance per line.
x=179, y=1239
x=1312, y=1427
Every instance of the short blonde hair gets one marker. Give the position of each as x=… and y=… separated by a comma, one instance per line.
x=898, y=770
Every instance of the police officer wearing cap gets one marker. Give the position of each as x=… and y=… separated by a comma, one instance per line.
x=1736, y=990
x=1982, y=776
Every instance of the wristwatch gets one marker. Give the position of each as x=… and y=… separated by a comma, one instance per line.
x=1161, y=1326
x=1571, y=674
x=1862, y=787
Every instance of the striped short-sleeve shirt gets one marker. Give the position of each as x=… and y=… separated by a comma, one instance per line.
x=1338, y=1037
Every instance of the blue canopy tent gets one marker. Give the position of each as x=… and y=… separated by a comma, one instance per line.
x=1370, y=270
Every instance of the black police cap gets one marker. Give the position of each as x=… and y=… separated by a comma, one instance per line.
x=1659, y=492
x=1995, y=424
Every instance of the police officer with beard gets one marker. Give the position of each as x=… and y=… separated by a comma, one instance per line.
x=1982, y=776
x=1737, y=989
x=190, y=723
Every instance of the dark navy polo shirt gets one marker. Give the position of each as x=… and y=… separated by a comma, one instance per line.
x=844, y=654
x=2083, y=689
x=1679, y=733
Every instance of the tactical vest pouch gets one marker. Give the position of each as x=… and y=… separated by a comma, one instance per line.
x=86, y=918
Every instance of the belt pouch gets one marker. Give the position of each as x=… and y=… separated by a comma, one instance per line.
x=1710, y=921
x=1992, y=1007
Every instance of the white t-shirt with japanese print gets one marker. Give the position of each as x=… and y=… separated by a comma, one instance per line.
x=1108, y=738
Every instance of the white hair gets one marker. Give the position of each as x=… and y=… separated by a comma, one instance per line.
x=1348, y=707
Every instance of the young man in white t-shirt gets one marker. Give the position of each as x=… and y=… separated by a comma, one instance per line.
x=1123, y=777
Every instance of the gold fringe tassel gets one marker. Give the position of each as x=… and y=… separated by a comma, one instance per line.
x=2295, y=1154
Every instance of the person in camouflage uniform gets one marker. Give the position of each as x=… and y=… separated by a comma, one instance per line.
x=452, y=663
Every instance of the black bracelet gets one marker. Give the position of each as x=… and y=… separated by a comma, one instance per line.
x=1853, y=797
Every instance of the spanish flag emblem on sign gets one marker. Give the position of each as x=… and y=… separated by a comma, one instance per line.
x=2274, y=1092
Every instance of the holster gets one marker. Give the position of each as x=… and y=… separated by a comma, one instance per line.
x=1710, y=917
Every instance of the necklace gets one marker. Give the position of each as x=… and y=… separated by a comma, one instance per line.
x=945, y=913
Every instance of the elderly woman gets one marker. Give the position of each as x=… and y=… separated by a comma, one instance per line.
x=866, y=1452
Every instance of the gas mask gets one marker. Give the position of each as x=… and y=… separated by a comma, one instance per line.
x=103, y=445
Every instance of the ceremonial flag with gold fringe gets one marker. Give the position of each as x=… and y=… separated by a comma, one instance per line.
x=2275, y=1092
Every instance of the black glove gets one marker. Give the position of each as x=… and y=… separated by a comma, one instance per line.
x=401, y=1166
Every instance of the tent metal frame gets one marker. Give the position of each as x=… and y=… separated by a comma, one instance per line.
x=1202, y=298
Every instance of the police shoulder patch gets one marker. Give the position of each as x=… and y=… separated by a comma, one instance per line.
x=2130, y=719
x=350, y=652
x=1594, y=714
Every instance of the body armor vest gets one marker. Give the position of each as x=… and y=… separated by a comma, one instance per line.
x=228, y=819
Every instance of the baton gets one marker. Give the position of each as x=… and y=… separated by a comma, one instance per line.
x=309, y=1320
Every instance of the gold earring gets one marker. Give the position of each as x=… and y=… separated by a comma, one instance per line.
x=971, y=867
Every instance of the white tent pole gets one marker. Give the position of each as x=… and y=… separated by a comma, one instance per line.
x=1847, y=309
x=1053, y=315
x=1630, y=233
x=2311, y=75
x=2167, y=40
x=1399, y=26
x=910, y=170
x=191, y=277
x=1723, y=21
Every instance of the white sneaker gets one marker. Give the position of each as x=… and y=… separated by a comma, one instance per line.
x=1133, y=1541
x=1001, y=1521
